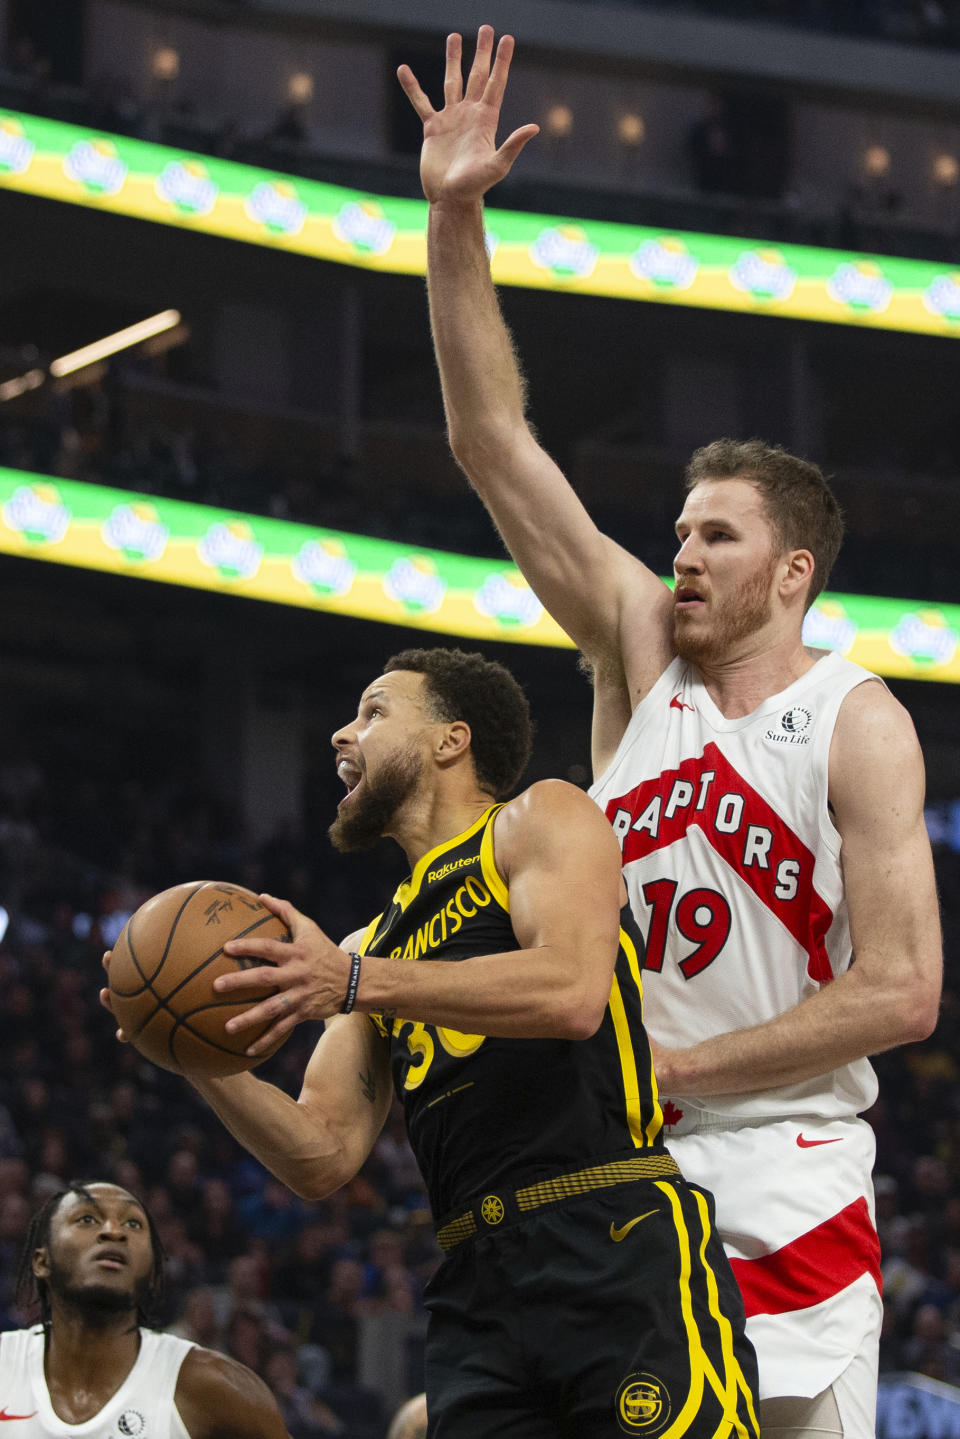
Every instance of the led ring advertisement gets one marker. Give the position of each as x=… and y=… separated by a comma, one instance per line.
x=242, y=202
x=72, y=523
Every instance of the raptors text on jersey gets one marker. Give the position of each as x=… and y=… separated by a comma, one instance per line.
x=732, y=864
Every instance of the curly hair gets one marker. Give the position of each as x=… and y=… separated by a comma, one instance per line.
x=30, y=1290
x=799, y=502
x=485, y=696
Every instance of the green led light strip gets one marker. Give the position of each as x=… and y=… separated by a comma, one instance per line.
x=122, y=533
x=283, y=212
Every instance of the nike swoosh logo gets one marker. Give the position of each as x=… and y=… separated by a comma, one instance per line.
x=812, y=1143
x=620, y=1234
x=4, y=1415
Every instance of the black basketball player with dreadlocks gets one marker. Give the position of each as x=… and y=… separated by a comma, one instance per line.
x=93, y=1263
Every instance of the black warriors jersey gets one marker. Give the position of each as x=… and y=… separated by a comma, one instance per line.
x=484, y=1112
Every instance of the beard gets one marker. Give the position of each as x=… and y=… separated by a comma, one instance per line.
x=97, y=1303
x=746, y=611
x=366, y=819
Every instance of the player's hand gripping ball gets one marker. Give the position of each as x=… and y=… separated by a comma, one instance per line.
x=162, y=970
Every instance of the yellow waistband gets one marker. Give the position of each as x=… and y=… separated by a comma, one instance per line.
x=489, y=1210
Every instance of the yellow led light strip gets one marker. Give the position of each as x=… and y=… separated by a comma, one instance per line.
x=282, y=212
x=122, y=533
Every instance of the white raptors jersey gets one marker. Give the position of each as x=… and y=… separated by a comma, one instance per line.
x=733, y=869
x=142, y=1408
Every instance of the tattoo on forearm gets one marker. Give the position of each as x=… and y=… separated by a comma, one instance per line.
x=369, y=1085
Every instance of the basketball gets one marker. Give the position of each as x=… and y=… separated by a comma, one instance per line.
x=162, y=970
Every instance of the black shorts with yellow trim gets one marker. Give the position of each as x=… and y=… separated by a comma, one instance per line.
x=610, y=1313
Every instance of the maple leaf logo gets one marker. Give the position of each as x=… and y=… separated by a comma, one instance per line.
x=671, y=1114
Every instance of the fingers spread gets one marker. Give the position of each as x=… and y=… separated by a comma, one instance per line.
x=411, y=88
x=480, y=69
x=453, y=77
x=514, y=143
x=501, y=69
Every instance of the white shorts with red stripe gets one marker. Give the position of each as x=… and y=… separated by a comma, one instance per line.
x=795, y=1213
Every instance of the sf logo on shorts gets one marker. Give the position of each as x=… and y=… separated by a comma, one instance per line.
x=643, y=1405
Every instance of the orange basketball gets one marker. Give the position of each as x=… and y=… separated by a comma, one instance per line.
x=162, y=971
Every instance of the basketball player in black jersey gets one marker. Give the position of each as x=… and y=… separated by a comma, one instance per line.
x=583, y=1292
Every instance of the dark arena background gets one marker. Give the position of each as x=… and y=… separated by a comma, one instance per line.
x=784, y=176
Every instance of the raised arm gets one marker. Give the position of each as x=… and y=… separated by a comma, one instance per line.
x=561, y=862
x=613, y=607
x=891, y=994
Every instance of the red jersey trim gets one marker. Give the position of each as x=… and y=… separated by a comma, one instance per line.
x=814, y=1267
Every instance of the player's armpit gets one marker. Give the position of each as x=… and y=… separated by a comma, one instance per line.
x=877, y=794
x=612, y=708
x=217, y=1398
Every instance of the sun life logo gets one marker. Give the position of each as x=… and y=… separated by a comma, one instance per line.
x=794, y=724
x=642, y=1404
x=131, y=1423
x=795, y=720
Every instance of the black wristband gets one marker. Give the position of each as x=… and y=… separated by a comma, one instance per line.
x=352, y=985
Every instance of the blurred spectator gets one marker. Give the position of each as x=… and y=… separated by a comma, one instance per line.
x=928, y=1350
x=183, y=1184
x=304, y=1415
x=713, y=151
x=386, y=1281
x=215, y=1225
x=198, y=1319
x=336, y=1317
x=274, y=1213
x=247, y=1339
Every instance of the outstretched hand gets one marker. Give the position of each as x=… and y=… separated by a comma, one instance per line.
x=460, y=160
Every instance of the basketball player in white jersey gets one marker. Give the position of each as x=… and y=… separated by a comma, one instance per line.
x=768, y=801
x=92, y=1368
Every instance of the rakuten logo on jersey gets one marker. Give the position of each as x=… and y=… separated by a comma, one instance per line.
x=745, y=831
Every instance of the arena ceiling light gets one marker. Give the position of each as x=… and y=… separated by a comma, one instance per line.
x=165, y=63
x=111, y=344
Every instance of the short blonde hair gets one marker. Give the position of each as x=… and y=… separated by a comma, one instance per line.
x=800, y=505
